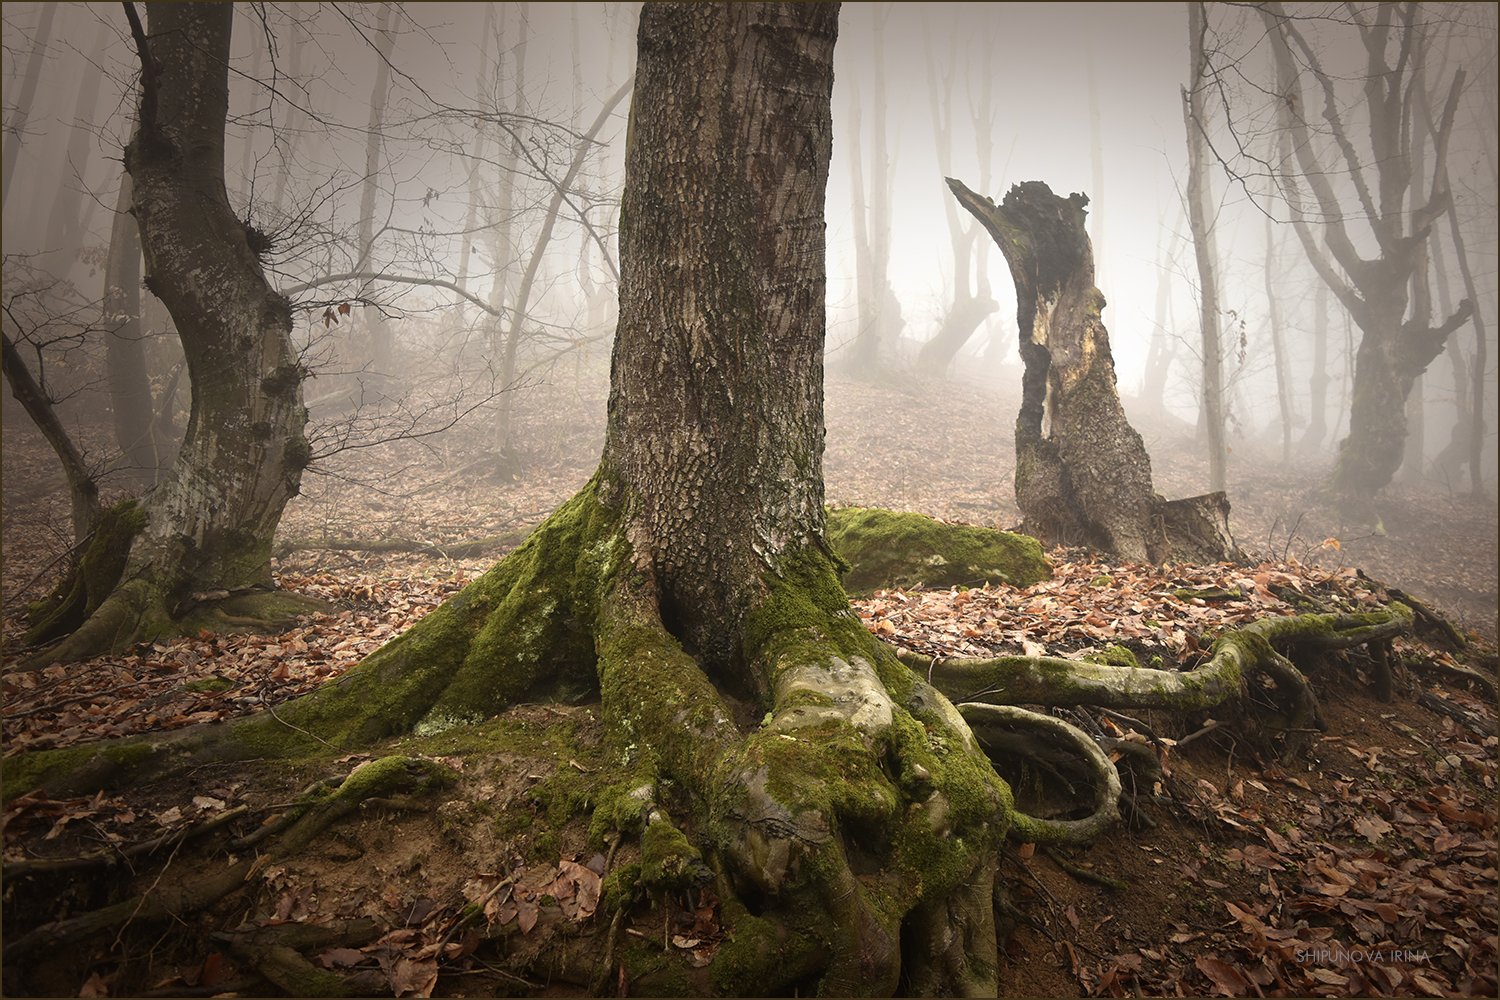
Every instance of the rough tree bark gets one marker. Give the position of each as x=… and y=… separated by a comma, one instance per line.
x=1082, y=473
x=204, y=543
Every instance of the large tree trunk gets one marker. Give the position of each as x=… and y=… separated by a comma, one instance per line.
x=689, y=582
x=1082, y=473
x=209, y=525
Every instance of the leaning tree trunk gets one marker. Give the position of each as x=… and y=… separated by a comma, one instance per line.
x=209, y=525
x=1082, y=473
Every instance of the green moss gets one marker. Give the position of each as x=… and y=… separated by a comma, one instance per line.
x=621, y=888
x=889, y=549
x=1113, y=655
x=668, y=860
x=523, y=630
x=72, y=765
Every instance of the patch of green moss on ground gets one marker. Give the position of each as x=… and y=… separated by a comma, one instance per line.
x=1113, y=655
x=887, y=549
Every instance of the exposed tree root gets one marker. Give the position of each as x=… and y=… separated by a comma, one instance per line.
x=271, y=950
x=852, y=835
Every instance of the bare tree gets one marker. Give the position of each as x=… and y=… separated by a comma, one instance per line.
x=20, y=114
x=971, y=306
x=1201, y=213
x=204, y=535
x=1393, y=350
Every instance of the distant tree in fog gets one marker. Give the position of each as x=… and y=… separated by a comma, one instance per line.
x=1395, y=346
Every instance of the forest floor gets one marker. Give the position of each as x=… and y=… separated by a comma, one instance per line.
x=1365, y=866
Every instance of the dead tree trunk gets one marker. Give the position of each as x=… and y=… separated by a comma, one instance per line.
x=1082, y=473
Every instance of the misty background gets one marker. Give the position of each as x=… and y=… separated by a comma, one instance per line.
x=436, y=185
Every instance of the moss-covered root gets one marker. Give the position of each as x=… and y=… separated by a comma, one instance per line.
x=950, y=948
x=169, y=899
x=91, y=578
x=1261, y=646
x=1015, y=731
x=861, y=797
x=524, y=631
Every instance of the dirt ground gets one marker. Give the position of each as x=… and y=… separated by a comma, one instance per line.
x=1365, y=866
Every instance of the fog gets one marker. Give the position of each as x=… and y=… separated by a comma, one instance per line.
x=1086, y=97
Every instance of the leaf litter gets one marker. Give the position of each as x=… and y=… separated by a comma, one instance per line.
x=1370, y=869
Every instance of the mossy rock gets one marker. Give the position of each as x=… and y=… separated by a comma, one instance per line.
x=885, y=549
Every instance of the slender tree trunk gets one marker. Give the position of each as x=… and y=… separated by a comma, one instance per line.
x=967, y=311
x=1082, y=472
x=1163, y=346
x=382, y=368
x=71, y=200
x=503, y=336
x=1317, y=383
x=209, y=524
x=486, y=83
x=514, y=328
x=881, y=325
x=1478, y=366
x=1200, y=217
x=292, y=125
x=15, y=129
x=125, y=346
x=1278, y=345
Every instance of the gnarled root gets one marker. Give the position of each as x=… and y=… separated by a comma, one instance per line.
x=1259, y=651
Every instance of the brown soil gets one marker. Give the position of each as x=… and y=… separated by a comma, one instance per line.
x=1277, y=873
